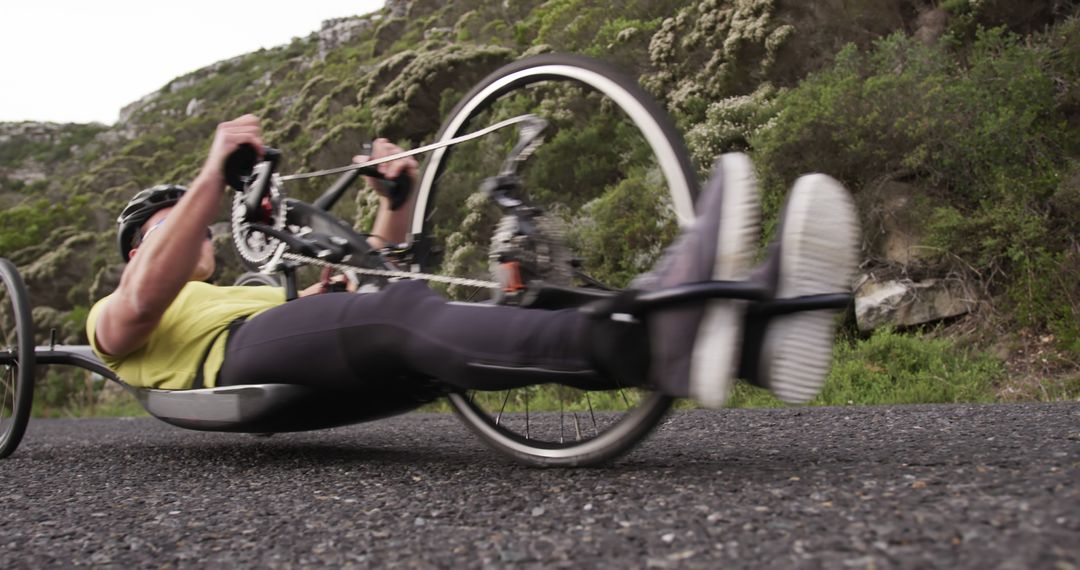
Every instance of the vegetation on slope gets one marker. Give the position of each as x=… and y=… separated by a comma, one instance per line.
x=975, y=104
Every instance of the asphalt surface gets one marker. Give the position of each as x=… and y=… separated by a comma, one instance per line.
x=860, y=487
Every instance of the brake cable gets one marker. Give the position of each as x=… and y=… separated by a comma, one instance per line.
x=393, y=274
x=419, y=150
x=532, y=130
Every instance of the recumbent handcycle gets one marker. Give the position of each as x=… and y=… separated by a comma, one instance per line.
x=591, y=180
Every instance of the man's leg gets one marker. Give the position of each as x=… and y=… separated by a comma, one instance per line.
x=695, y=347
x=343, y=340
x=816, y=252
x=407, y=331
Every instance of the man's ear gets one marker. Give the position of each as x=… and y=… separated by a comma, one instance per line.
x=131, y=254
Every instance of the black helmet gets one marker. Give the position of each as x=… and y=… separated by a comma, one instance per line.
x=140, y=208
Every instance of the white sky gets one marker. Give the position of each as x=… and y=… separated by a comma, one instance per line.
x=82, y=60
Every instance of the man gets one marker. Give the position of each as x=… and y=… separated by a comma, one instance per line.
x=164, y=328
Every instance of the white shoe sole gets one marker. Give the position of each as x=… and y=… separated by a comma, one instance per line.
x=818, y=255
x=714, y=362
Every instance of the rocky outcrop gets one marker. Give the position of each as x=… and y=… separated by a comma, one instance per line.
x=58, y=274
x=894, y=215
x=710, y=51
x=68, y=330
x=903, y=303
x=106, y=280
x=29, y=150
x=388, y=32
x=408, y=108
x=337, y=32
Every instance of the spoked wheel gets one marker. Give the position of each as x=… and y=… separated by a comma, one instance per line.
x=16, y=359
x=612, y=182
x=255, y=279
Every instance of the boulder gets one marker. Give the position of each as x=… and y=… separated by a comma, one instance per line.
x=893, y=216
x=409, y=107
x=932, y=23
x=337, y=32
x=903, y=302
x=388, y=32
x=193, y=107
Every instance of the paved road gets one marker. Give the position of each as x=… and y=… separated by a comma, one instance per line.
x=873, y=487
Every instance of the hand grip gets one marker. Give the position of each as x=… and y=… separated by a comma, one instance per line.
x=238, y=166
x=396, y=189
x=244, y=172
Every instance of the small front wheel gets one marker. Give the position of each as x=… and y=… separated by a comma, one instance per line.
x=255, y=279
x=16, y=358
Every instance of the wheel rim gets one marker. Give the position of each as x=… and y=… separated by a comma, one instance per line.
x=8, y=376
x=552, y=423
x=681, y=186
x=9, y=367
x=16, y=358
x=574, y=438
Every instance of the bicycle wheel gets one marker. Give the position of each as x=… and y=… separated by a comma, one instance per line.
x=612, y=181
x=16, y=359
x=255, y=279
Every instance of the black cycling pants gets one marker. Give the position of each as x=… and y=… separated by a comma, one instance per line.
x=344, y=340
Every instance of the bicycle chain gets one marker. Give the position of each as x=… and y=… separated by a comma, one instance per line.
x=463, y=281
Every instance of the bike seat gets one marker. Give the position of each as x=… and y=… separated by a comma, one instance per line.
x=275, y=408
x=258, y=408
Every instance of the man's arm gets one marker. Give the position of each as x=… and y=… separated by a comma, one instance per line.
x=166, y=263
x=391, y=226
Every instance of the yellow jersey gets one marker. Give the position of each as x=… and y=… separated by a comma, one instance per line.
x=196, y=318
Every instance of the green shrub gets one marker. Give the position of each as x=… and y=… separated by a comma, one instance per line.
x=730, y=124
x=909, y=110
x=985, y=126
x=32, y=222
x=894, y=368
x=621, y=234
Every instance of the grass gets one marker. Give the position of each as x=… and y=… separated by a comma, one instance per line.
x=886, y=368
x=893, y=368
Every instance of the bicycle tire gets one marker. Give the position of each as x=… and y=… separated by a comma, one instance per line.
x=17, y=362
x=671, y=160
x=256, y=279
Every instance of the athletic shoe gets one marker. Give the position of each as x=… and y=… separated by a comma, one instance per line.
x=695, y=348
x=817, y=254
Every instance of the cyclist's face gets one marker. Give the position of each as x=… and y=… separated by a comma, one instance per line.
x=204, y=267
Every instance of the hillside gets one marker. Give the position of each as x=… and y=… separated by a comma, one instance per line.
x=955, y=124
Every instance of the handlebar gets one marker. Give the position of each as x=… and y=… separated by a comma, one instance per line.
x=245, y=173
x=396, y=189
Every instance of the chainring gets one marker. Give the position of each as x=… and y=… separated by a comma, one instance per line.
x=256, y=248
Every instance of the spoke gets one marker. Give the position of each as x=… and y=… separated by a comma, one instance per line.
x=562, y=417
x=577, y=427
x=596, y=431
x=622, y=393
x=506, y=399
x=473, y=295
x=527, y=414
x=9, y=388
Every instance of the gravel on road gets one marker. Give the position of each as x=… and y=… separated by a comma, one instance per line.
x=946, y=486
